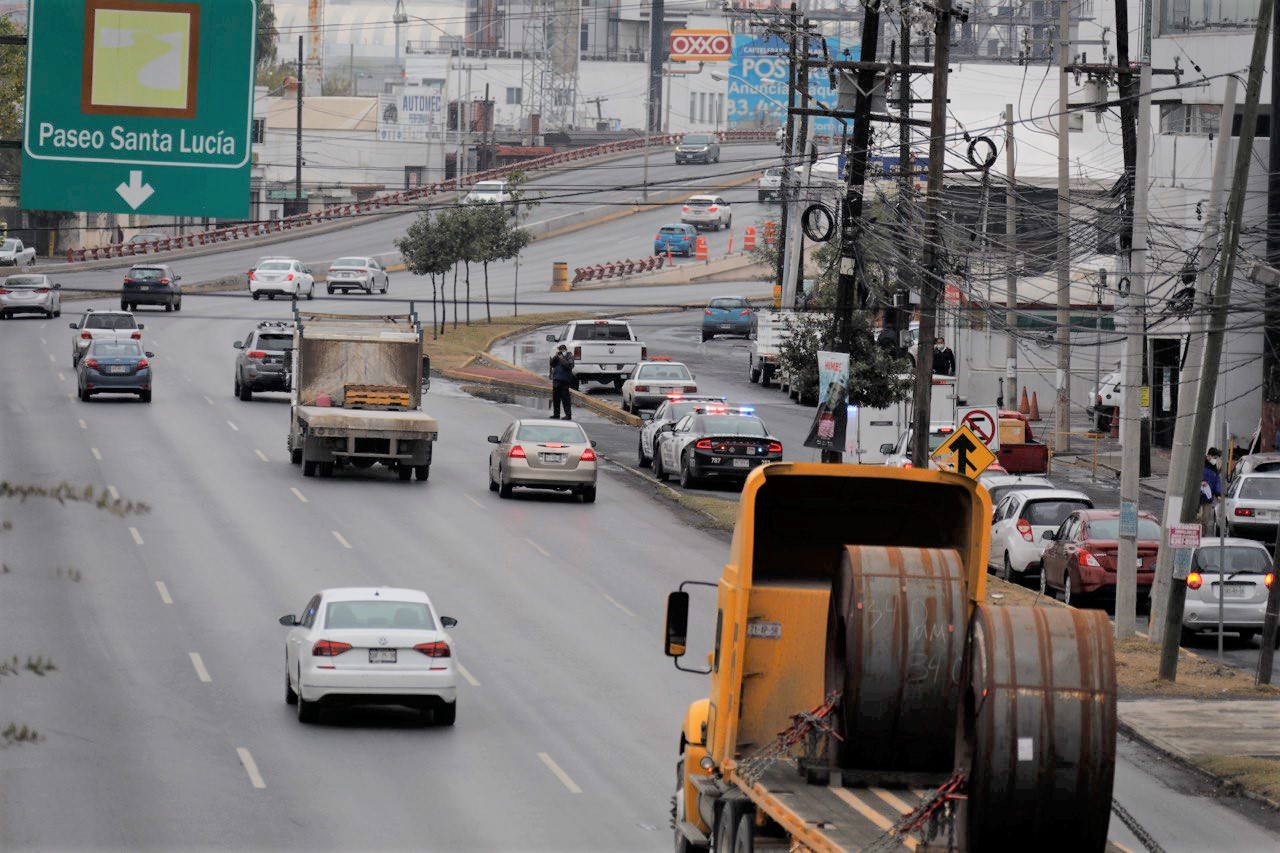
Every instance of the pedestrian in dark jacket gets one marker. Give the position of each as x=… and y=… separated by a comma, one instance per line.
x=944, y=360
x=561, y=382
x=1210, y=489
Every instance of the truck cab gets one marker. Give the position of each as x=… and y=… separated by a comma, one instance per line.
x=603, y=350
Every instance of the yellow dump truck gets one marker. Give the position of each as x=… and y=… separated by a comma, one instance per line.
x=863, y=697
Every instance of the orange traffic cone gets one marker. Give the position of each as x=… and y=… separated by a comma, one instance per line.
x=1035, y=408
x=749, y=239
x=770, y=232
x=700, y=250
x=1024, y=407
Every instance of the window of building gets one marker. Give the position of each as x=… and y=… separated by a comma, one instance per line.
x=515, y=95
x=1204, y=17
x=1190, y=119
x=259, y=130
x=584, y=38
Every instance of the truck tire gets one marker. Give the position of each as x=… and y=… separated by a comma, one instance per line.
x=744, y=837
x=753, y=372
x=326, y=469
x=422, y=471
x=766, y=376
x=724, y=833
x=405, y=473
x=295, y=456
x=308, y=468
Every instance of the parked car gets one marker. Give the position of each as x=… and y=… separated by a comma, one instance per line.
x=697, y=148
x=1106, y=399
x=151, y=284
x=146, y=237
x=1249, y=574
x=114, y=367
x=365, y=274
x=714, y=441
x=274, y=277
x=100, y=326
x=543, y=454
x=898, y=454
x=30, y=294
x=999, y=484
x=14, y=254
x=769, y=186
x=264, y=359
x=1079, y=559
x=728, y=315
x=1253, y=506
x=653, y=381
x=670, y=410
x=711, y=212
x=1018, y=525
x=370, y=646
x=1256, y=463
x=678, y=239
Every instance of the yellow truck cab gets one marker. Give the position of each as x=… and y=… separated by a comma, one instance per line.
x=861, y=691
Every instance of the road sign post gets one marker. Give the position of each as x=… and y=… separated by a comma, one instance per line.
x=984, y=421
x=139, y=106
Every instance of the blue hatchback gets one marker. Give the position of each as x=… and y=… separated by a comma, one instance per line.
x=680, y=239
x=728, y=315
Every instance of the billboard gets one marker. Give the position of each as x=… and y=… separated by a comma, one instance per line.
x=413, y=114
x=701, y=45
x=830, y=422
x=758, y=72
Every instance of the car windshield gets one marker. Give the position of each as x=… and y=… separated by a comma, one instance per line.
x=727, y=304
x=731, y=425
x=774, y=171
x=1109, y=528
x=488, y=188
x=699, y=202
x=110, y=321
x=1263, y=467
x=696, y=139
x=998, y=492
x=602, y=332
x=273, y=266
x=673, y=229
x=275, y=342
x=24, y=281
x=10, y=245
x=145, y=238
x=412, y=615
x=663, y=371
x=350, y=262
x=146, y=273
x=1051, y=513
x=1239, y=559
x=1260, y=488
x=551, y=434
x=116, y=349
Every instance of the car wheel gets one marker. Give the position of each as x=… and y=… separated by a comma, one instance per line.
x=1186, y=637
x=504, y=490
x=58, y=313
x=1008, y=568
x=493, y=485
x=85, y=395
x=246, y=393
x=295, y=457
x=330, y=290
x=589, y=495
x=145, y=396
x=271, y=297
x=644, y=461
x=311, y=292
x=309, y=468
x=1066, y=589
x=445, y=715
x=1044, y=580
x=168, y=307
x=687, y=479
x=706, y=336
x=255, y=296
x=308, y=712
x=290, y=698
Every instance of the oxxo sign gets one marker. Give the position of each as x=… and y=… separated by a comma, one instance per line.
x=139, y=106
x=701, y=45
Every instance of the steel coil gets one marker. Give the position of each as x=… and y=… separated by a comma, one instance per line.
x=1038, y=729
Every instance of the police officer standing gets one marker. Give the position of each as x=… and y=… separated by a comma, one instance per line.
x=561, y=382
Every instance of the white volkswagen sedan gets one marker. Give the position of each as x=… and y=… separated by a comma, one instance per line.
x=1019, y=523
x=370, y=646
x=654, y=381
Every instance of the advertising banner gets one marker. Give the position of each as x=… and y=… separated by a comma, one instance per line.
x=701, y=45
x=414, y=114
x=831, y=421
x=757, y=86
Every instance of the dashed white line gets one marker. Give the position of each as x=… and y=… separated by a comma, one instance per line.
x=343, y=542
x=537, y=547
x=233, y=426
x=471, y=679
x=42, y=340
x=62, y=377
x=52, y=359
x=560, y=774
x=188, y=378
x=97, y=454
x=262, y=456
x=71, y=396
x=164, y=592
x=83, y=425
x=137, y=537
x=616, y=604
x=474, y=501
x=111, y=490
x=201, y=672
x=250, y=767
x=207, y=400
x=297, y=494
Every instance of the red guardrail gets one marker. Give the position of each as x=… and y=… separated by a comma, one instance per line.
x=614, y=269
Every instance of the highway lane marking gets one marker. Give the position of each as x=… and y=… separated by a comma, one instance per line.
x=471, y=679
x=297, y=494
x=474, y=501
x=262, y=455
x=137, y=537
x=343, y=542
x=71, y=396
x=871, y=814
x=207, y=400
x=188, y=378
x=164, y=592
x=83, y=425
x=250, y=767
x=615, y=603
x=560, y=774
x=233, y=426
x=537, y=547
x=111, y=490
x=62, y=378
x=42, y=340
x=52, y=359
x=97, y=454
x=201, y=672
x=902, y=807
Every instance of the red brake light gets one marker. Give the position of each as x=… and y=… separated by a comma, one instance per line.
x=91, y=362
x=775, y=447
x=289, y=277
x=745, y=312
x=704, y=444
x=438, y=649
x=257, y=354
x=643, y=389
x=517, y=452
x=945, y=430
x=588, y=455
x=577, y=352
x=1244, y=512
x=137, y=336
x=142, y=362
x=86, y=336
x=164, y=281
x=1269, y=579
x=706, y=311
x=5, y=290
x=1024, y=527
x=1194, y=581
x=252, y=277
x=712, y=209
x=907, y=465
x=329, y=648
x=38, y=290
x=685, y=209
x=1087, y=558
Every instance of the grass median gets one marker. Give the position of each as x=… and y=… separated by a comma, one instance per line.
x=456, y=347
x=1258, y=775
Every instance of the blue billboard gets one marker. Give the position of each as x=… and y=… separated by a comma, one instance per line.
x=757, y=86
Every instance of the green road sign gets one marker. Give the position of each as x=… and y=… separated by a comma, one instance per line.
x=139, y=106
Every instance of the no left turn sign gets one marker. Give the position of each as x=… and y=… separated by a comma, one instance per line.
x=984, y=422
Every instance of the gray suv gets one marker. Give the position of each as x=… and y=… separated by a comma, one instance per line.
x=698, y=148
x=265, y=360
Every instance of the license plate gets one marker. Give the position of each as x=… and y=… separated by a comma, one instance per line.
x=117, y=368
x=382, y=655
x=666, y=389
x=556, y=458
x=726, y=325
x=742, y=463
x=1235, y=591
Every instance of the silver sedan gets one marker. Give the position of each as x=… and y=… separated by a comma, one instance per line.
x=543, y=454
x=30, y=294
x=365, y=274
x=1243, y=590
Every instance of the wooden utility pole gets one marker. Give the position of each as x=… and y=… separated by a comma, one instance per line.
x=1062, y=336
x=786, y=190
x=906, y=185
x=297, y=165
x=1011, y=280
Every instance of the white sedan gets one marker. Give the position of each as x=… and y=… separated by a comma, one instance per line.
x=654, y=381
x=1018, y=525
x=274, y=277
x=370, y=646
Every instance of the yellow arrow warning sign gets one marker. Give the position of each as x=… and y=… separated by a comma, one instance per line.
x=963, y=453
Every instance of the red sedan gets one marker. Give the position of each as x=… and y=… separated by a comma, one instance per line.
x=1079, y=558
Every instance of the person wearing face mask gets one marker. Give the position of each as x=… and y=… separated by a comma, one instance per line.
x=944, y=360
x=1210, y=489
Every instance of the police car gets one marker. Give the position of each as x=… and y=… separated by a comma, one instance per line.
x=714, y=441
x=670, y=410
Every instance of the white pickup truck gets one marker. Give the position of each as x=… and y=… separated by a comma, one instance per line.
x=603, y=350
x=14, y=254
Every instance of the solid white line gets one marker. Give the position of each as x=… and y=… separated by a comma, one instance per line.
x=474, y=501
x=471, y=679
x=111, y=490
x=297, y=494
x=97, y=454
x=137, y=537
x=83, y=425
x=62, y=378
x=51, y=358
x=612, y=601
x=262, y=456
x=164, y=592
x=201, y=672
x=207, y=400
x=537, y=547
x=560, y=774
x=233, y=426
x=344, y=543
x=250, y=767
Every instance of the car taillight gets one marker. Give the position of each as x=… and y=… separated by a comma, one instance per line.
x=577, y=352
x=4, y=290
x=164, y=281
x=706, y=311
x=1085, y=557
x=775, y=447
x=86, y=336
x=257, y=354
x=38, y=290
x=137, y=336
x=289, y=277
x=329, y=648
x=1024, y=527
x=1244, y=512
x=685, y=209
x=1269, y=579
x=438, y=649
x=644, y=353
x=517, y=452
x=363, y=272
x=745, y=312
x=712, y=209
x=588, y=455
x=691, y=389
x=252, y=277
x=643, y=389
x=91, y=362
x=704, y=444
x=142, y=362
x=907, y=465
x=657, y=237
x=1194, y=581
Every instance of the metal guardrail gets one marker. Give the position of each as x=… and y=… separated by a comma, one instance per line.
x=600, y=272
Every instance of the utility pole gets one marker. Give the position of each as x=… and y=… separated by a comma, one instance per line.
x=930, y=282
x=1271, y=321
x=1205, y=256
x=297, y=166
x=1011, y=280
x=1062, y=406
x=794, y=254
x=1191, y=472
x=657, y=53
x=785, y=188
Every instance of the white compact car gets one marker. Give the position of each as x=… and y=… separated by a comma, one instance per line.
x=654, y=381
x=1018, y=525
x=491, y=192
x=274, y=277
x=1244, y=590
x=370, y=646
x=711, y=212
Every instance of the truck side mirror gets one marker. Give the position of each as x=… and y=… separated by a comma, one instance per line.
x=677, y=627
